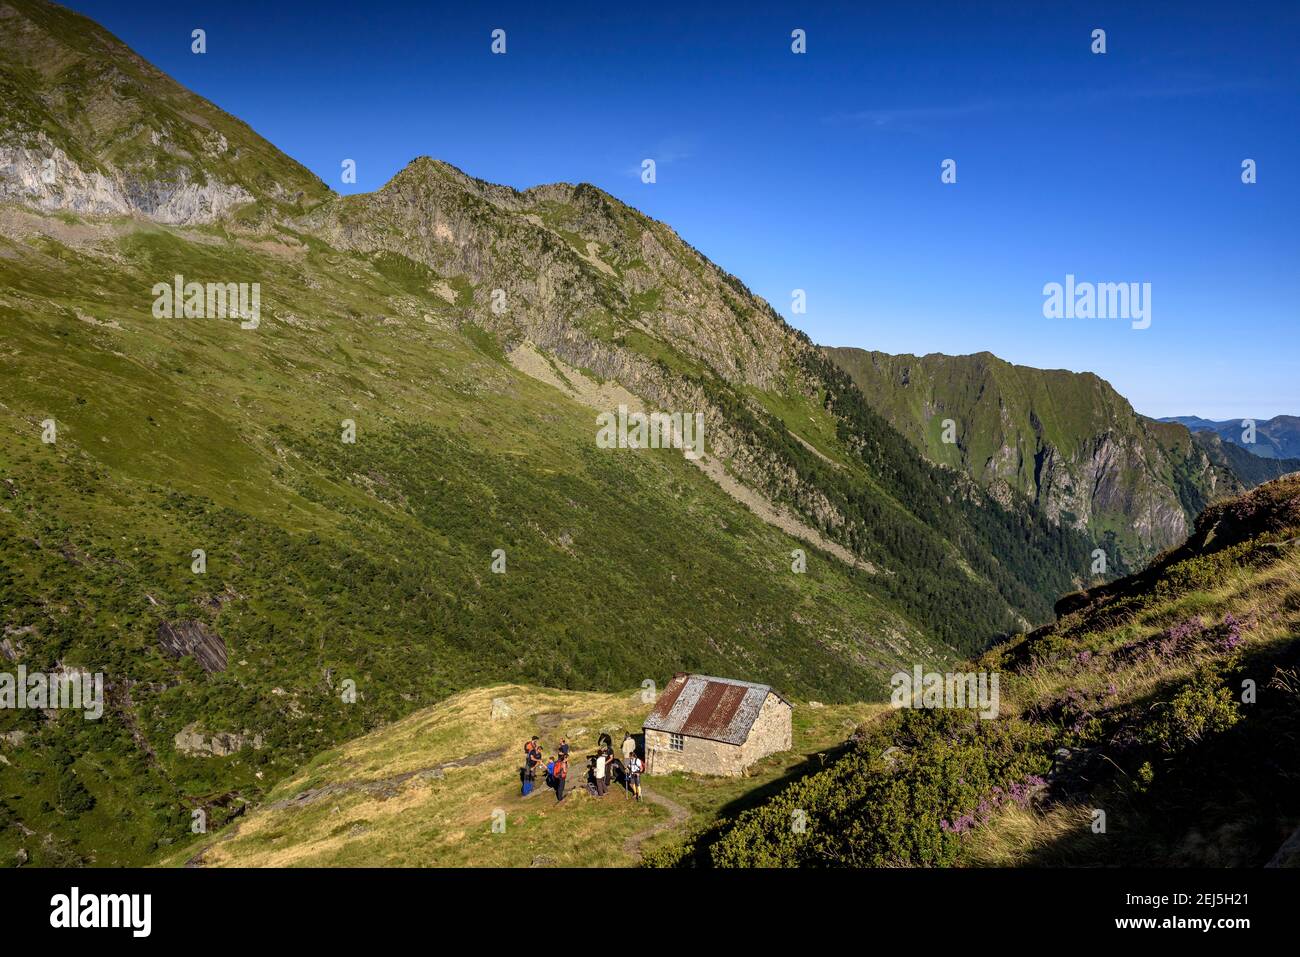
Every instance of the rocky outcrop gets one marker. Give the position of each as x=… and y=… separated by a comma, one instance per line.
x=47, y=179
x=11, y=647
x=191, y=741
x=194, y=639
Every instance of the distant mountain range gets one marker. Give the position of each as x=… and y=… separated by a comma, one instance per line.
x=1275, y=438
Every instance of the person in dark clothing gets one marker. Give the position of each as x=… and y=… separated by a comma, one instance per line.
x=532, y=757
x=561, y=776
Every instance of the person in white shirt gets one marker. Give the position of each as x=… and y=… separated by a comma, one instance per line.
x=600, y=774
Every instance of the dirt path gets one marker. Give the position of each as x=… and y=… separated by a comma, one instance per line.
x=677, y=814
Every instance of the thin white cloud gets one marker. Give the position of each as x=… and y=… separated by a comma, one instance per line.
x=671, y=150
x=912, y=119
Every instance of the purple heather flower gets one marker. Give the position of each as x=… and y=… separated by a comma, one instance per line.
x=1186, y=629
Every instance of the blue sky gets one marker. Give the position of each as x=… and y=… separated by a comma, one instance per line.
x=821, y=171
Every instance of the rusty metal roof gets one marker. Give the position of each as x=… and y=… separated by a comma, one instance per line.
x=701, y=706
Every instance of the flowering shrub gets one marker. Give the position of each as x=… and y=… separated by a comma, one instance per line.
x=865, y=812
x=1187, y=629
x=1018, y=793
x=1231, y=638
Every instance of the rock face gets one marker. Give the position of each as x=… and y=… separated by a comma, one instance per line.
x=1067, y=442
x=10, y=646
x=46, y=178
x=195, y=639
x=191, y=741
x=88, y=127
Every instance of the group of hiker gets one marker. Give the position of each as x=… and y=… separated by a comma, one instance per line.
x=602, y=767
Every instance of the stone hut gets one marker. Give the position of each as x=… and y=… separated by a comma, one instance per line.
x=709, y=725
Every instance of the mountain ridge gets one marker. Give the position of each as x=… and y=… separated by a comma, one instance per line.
x=89, y=126
x=387, y=509
x=1066, y=441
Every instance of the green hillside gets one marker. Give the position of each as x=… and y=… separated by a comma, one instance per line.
x=328, y=561
x=1166, y=701
x=348, y=584
x=426, y=790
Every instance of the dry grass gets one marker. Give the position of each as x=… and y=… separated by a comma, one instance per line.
x=446, y=820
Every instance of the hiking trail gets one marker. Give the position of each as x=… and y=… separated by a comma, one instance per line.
x=677, y=814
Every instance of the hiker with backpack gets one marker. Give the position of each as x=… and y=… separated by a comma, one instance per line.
x=561, y=776
x=632, y=772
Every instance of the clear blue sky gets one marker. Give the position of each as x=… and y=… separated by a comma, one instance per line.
x=821, y=171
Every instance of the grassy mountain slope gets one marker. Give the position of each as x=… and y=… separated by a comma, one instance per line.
x=367, y=566
x=328, y=561
x=607, y=290
x=1167, y=700
x=422, y=791
x=1066, y=441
